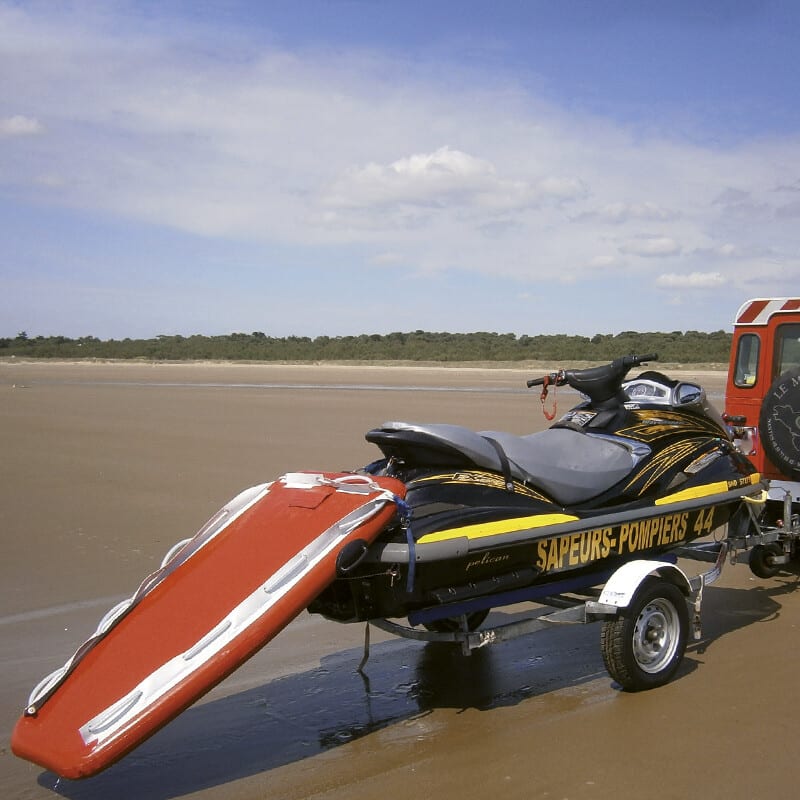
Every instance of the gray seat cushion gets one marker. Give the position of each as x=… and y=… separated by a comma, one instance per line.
x=569, y=466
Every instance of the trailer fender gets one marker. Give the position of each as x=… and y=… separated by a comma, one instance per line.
x=623, y=584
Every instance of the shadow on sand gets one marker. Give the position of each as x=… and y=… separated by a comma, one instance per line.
x=298, y=716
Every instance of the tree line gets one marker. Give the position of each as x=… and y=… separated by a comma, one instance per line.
x=677, y=346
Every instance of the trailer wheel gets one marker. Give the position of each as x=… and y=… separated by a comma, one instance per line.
x=762, y=560
x=453, y=624
x=643, y=647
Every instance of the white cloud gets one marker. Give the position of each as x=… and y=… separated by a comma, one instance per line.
x=651, y=247
x=600, y=262
x=19, y=125
x=562, y=188
x=388, y=259
x=694, y=280
x=621, y=212
x=445, y=176
x=384, y=158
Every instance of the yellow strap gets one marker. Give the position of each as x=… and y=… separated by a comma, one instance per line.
x=762, y=497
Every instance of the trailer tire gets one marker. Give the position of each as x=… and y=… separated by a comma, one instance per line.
x=643, y=647
x=779, y=423
x=761, y=561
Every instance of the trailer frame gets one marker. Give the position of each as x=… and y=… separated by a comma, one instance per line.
x=614, y=599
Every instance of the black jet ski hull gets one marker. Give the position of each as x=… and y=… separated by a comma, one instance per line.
x=484, y=561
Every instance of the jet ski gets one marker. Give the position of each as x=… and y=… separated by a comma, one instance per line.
x=638, y=469
x=448, y=524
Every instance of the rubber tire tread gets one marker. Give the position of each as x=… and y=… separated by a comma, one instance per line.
x=616, y=637
x=758, y=560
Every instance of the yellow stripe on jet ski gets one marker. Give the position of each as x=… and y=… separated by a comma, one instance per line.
x=708, y=489
x=483, y=529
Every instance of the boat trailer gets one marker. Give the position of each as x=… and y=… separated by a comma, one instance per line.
x=647, y=606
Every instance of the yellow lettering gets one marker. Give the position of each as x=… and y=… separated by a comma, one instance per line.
x=666, y=528
x=552, y=555
x=607, y=543
x=624, y=532
x=595, y=547
x=708, y=522
x=644, y=533
x=633, y=538
x=586, y=546
x=655, y=529
x=541, y=550
x=574, y=549
x=563, y=549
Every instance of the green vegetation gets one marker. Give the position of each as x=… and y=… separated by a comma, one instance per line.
x=678, y=346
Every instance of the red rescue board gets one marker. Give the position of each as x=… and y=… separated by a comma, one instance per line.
x=217, y=599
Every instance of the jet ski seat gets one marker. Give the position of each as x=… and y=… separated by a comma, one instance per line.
x=570, y=466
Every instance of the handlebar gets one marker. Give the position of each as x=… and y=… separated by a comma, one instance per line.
x=637, y=361
x=601, y=384
x=619, y=365
x=551, y=379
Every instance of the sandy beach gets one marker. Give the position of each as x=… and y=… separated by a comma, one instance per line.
x=105, y=466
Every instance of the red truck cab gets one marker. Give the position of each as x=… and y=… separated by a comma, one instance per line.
x=762, y=398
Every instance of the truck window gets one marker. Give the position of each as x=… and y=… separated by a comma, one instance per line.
x=787, y=353
x=747, y=351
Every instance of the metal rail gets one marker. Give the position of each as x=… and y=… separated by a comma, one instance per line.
x=578, y=607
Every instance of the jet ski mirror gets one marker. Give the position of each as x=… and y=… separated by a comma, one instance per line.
x=688, y=392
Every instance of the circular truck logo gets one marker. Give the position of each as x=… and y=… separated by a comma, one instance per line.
x=779, y=423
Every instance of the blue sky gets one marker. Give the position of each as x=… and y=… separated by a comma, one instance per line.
x=352, y=166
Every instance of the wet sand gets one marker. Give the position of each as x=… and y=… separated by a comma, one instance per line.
x=105, y=466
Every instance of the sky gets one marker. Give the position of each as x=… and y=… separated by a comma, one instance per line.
x=338, y=167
